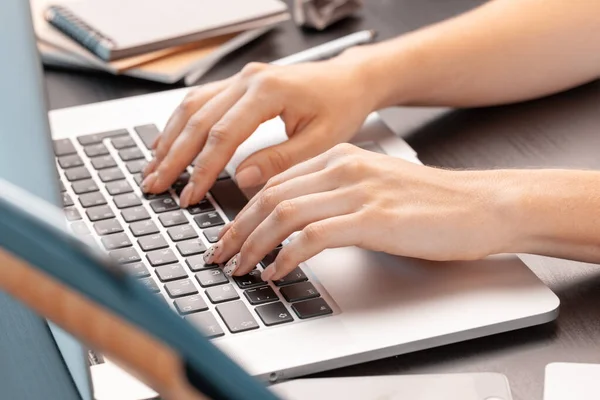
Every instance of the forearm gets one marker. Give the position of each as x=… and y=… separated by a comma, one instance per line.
x=551, y=212
x=501, y=52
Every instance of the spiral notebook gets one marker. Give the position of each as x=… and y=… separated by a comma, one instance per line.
x=115, y=29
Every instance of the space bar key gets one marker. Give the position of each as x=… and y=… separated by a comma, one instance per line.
x=229, y=197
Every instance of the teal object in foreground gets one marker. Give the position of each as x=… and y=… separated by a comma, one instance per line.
x=41, y=240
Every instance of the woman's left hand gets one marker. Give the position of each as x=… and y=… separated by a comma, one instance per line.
x=349, y=196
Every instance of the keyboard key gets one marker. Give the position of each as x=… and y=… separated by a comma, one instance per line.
x=138, y=178
x=274, y=314
x=161, y=257
x=181, y=181
x=270, y=258
x=180, y=288
x=163, y=205
x=118, y=187
x=108, y=227
x=115, y=241
x=172, y=218
x=131, y=153
x=92, y=199
x=71, y=161
x=135, y=214
x=229, y=197
x=182, y=232
x=211, y=277
x=203, y=206
x=212, y=234
x=110, y=174
x=190, y=304
x=136, y=166
x=150, y=284
x=299, y=291
x=196, y=263
x=297, y=275
x=63, y=147
x=72, y=214
x=152, y=196
x=137, y=269
x=170, y=272
x=99, y=213
x=79, y=228
x=311, y=308
x=153, y=242
x=191, y=247
x=237, y=317
x=206, y=323
x=95, y=150
x=148, y=133
x=125, y=256
x=261, y=295
x=77, y=174
x=103, y=162
x=127, y=200
x=84, y=186
x=123, y=142
x=250, y=280
x=221, y=294
x=142, y=228
x=66, y=200
x=208, y=219
x=94, y=138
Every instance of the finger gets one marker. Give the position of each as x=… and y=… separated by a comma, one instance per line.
x=225, y=136
x=307, y=167
x=338, y=231
x=234, y=238
x=191, y=140
x=288, y=217
x=264, y=164
x=190, y=104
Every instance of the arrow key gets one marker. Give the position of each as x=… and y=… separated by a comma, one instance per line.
x=274, y=314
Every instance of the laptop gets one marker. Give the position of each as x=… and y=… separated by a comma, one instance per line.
x=342, y=307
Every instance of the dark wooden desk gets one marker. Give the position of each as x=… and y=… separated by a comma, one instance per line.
x=561, y=131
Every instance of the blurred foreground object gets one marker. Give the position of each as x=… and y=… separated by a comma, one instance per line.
x=320, y=14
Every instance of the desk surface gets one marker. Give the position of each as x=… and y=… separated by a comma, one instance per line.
x=559, y=131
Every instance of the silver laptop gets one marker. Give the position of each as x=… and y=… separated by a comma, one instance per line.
x=342, y=307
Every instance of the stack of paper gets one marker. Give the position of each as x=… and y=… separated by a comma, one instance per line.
x=185, y=63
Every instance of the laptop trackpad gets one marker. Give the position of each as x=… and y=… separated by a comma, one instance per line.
x=416, y=295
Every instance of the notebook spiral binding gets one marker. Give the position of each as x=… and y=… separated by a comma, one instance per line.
x=78, y=30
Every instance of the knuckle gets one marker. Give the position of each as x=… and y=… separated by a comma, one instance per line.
x=199, y=172
x=268, y=199
x=188, y=104
x=279, y=160
x=265, y=82
x=252, y=68
x=218, y=134
x=314, y=232
x=249, y=248
x=284, y=211
x=343, y=149
x=233, y=234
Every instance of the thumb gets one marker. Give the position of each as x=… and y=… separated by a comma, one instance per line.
x=262, y=165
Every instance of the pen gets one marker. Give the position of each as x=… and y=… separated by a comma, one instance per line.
x=329, y=49
x=321, y=52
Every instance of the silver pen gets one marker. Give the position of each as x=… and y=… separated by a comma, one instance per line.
x=320, y=52
x=329, y=49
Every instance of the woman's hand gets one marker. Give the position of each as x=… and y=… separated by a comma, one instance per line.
x=348, y=196
x=321, y=104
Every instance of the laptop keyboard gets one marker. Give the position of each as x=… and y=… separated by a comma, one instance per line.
x=160, y=244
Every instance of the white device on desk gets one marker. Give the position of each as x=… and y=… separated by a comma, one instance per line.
x=476, y=386
x=572, y=381
x=368, y=306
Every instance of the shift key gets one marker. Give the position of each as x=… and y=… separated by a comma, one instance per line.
x=237, y=317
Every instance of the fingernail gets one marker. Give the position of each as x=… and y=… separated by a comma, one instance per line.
x=149, y=182
x=213, y=252
x=232, y=265
x=148, y=169
x=268, y=273
x=248, y=177
x=186, y=195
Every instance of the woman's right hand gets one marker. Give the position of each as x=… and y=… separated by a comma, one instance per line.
x=321, y=103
